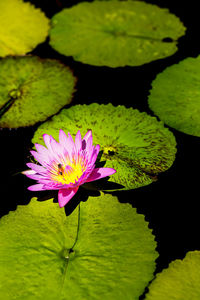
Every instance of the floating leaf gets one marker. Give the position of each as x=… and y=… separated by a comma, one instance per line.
x=179, y=281
x=103, y=250
x=133, y=143
x=32, y=89
x=22, y=27
x=175, y=96
x=115, y=33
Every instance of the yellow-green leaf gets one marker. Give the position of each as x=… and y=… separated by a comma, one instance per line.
x=103, y=250
x=22, y=27
x=175, y=96
x=32, y=89
x=115, y=33
x=179, y=282
x=133, y=143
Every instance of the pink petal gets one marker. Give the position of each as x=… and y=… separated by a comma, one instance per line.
x=78, y=141
x=89, y=143
x=40, y=158
x=65, y=195
x=47, y=139
x=48, y=185
x=50, y=143
x=94, y=155
x=55, y=146
x=63, y=138
x=36, y=168
x=35, y=176
x=56, y=150
x=99, y=173
x=28, y=172
x=87, y=135
x=70, y=145
x=85, y=139
x=47, y=182
x=41, y=149
x=36, y=187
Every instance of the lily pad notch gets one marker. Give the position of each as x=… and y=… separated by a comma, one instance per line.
x=115, y=33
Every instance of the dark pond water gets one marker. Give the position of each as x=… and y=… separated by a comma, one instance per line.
x=170, y=204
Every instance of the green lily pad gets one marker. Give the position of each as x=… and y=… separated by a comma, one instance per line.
x=22, y=27
x=115, y=33
x=133, y=143
x=32, y=89
x=175, y=96
x=179, y=281
x=103, y=250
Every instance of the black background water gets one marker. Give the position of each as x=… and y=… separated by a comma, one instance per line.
x=171, y=205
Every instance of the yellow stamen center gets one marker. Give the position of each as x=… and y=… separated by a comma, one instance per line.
x=69, y=172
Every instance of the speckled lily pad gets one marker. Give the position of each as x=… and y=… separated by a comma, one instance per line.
x=179, y=281
x=133, y=143
x=175, y=96
x=32, y=89
x=102, y=250
x=22, y=27
x=115, y=33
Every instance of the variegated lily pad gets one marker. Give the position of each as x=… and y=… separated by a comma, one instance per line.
x=115, y=33
x=32, y=89
x=102, y=250
x=175, y=96
x=22, y=27
x=133, y=143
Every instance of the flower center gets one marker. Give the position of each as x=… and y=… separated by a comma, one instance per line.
x=69, y=172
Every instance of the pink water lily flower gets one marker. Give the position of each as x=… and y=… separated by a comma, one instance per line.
x=66, y=165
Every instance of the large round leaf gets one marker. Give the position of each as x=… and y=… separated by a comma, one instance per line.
x=175, y=96
x=115, y=33
x=133, y=143
x=32, y=89
x=22, y=27
x=103, y=250
x=179, y=281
